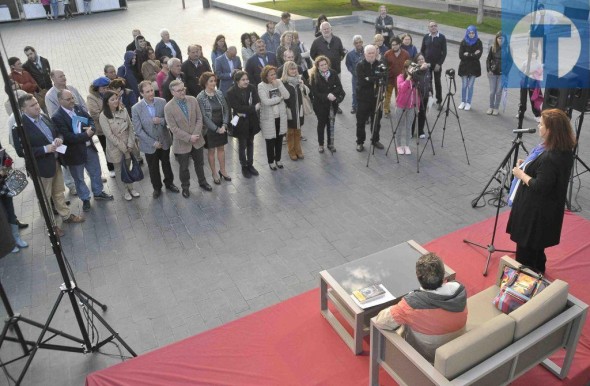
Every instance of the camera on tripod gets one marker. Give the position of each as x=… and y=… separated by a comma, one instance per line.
x=381, y=72
x=416, y=71
x=450, y=73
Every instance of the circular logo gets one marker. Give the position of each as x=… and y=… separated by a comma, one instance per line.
x=564, y=51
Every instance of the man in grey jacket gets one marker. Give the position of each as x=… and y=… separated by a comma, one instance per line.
x=154, y=137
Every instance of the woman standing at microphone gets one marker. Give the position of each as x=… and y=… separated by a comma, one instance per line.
x=538, y=191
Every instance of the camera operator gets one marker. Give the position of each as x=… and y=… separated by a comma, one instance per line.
x=369, y=72
x=424, y=86
x=407, y=100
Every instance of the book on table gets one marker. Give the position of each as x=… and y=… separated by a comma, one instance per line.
x=371, y=296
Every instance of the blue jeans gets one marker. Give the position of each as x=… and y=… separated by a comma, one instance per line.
x=55, y=8
x=467, y=88
x=354, y=103
x=495, y=90
x=92, y=166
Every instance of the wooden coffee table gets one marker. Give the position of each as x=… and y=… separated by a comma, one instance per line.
x=394, y=267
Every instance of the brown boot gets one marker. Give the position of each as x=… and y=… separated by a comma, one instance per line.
x=291, y=144
x=298, y=149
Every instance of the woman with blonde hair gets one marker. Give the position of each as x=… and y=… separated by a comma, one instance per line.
x=295, y=86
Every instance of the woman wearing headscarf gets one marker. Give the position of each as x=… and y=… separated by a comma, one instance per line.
x=243, y=99
x=128, y=72
x=96, y=93
x=470, y=52
x=538, y=191
x=294, y=84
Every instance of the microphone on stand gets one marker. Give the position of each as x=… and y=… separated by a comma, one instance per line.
x=531, y=130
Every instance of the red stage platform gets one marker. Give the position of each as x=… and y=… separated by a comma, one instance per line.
x=291, y=343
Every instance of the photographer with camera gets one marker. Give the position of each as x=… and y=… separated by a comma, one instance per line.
x=369, y=72
x=407, y=100
x=424, y=86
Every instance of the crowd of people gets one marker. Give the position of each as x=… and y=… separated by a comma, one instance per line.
x=155, y=102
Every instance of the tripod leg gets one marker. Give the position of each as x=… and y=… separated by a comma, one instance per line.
x=103, y=322
x=88, y=297
x=461, y=132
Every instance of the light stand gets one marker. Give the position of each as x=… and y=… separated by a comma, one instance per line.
x=69, y=286
x=576, y=159
x=452, y=88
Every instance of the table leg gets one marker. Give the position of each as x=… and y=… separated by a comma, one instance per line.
x=323, y=295
x=358, y=333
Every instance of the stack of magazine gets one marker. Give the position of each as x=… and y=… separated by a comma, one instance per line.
x=371, y=296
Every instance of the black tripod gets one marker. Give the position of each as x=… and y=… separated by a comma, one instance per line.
x=69, y=286
x=381, y=86
x=511, y=158
x=576, y=159
x=452, y=88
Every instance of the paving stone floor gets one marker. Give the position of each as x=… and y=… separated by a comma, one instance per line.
x=174, y=267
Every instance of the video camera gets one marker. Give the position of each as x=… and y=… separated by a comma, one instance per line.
x=416, y=71
x=381, y=72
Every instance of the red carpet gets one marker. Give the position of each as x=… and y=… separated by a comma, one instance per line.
x=291, y=344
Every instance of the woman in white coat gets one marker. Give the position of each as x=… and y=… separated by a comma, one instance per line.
x=273, y=114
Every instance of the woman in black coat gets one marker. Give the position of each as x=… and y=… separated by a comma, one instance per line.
x=244, y=102
x=470, y=52
x=538, y=191
x=327, y=94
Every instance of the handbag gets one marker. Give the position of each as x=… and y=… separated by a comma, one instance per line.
x=134, y=174
x=14, y=183
x=518, y=287
x=537, y=99
x=306, y=102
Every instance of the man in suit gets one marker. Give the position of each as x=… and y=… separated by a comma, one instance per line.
x=81, y=154
x=39, y=69
x=257, y=62
x=226, y=66
x=44, y=142
x=149, y=124
x=175, y=74
x=185, y=121
x=192, y=68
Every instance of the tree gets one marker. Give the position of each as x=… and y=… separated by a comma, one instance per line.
x=480, y=11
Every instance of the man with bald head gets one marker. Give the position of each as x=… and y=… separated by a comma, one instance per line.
x=226, y=66
x=366, y=94
x=328, y=45
x=77, y=129
x=167, y=47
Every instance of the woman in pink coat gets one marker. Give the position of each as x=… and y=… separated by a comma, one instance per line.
x=406, y=101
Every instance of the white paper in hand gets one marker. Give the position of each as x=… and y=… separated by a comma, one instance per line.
x=430, y=102
x=234, y=120
x=61, y=149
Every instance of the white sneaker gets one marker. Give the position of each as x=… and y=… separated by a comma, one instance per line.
x=495, y=112
x=400, y=150
x=422, y=136
x=127, y=196
x=489, y=111
x=112, y=174
x=407, y=150
x=467, y=106
x=134, y=192
x=462, y=106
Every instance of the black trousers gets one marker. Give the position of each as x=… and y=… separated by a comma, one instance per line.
x=274, y=146
x=246, y=150
x=534, y=258
x=183, y=161
x=523, y=98
x=323, y=116
x=364, y=111
x=67, y=11
x=8, y=206
x=435, y=75
x=103, y=143
x=153, y=163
